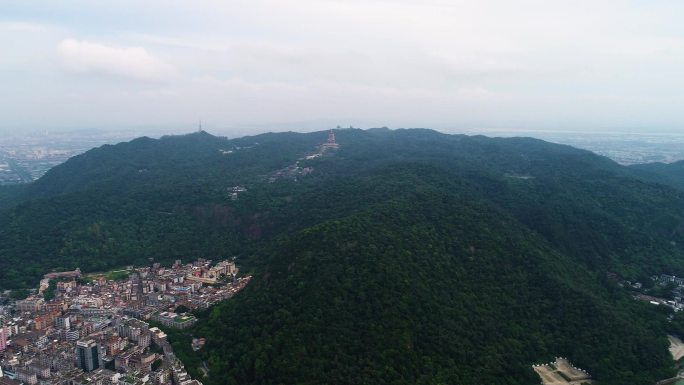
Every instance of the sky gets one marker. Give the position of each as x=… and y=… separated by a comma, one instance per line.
x=267, y=65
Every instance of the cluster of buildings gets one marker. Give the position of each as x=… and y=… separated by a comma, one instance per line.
x=102, y=332
x=664, y=278
x=211, y=274
x=677, y=301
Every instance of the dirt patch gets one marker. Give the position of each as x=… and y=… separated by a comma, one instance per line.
x=676, y=347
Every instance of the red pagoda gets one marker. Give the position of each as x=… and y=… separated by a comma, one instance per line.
x=331, y=141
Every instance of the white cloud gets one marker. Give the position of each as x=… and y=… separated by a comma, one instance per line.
x=395, y=62
x=133, y=62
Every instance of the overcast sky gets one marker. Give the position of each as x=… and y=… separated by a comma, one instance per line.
x=255, y=65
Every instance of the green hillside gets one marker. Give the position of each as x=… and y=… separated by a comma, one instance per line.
x=429, y=288
x=671, y=174
x=402, y=257
x=169, y=199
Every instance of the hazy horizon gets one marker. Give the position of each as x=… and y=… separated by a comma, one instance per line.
x=235, y=132
x=264, y=65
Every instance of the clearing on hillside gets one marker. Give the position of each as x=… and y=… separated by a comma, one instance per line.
x=676, y=347
x=561, y=372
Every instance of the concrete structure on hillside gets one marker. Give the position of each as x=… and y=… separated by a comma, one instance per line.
x=63, y=274
x=178, y=321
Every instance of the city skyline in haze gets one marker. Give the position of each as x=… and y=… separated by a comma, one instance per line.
x=266, y=65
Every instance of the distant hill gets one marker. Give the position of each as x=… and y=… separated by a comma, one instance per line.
x=671, y=174
x=404, y=256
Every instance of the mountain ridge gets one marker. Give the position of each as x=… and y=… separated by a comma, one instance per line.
x=526, y=176
x=403, y=256
x=671, y=174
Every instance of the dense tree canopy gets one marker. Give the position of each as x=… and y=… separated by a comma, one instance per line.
x=405, y=257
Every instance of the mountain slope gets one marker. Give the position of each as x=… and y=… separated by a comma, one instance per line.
x=10, y=195
x=168, y=198
x=671, y=174
x=171, y=162
x=431, y=288
x=404, y=256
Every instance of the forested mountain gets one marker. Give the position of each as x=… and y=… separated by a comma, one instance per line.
x=402, y=257
x=10, y=194
x=671, y=174
x=432, y=287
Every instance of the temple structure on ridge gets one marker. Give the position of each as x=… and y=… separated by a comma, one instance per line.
x=330, y=143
